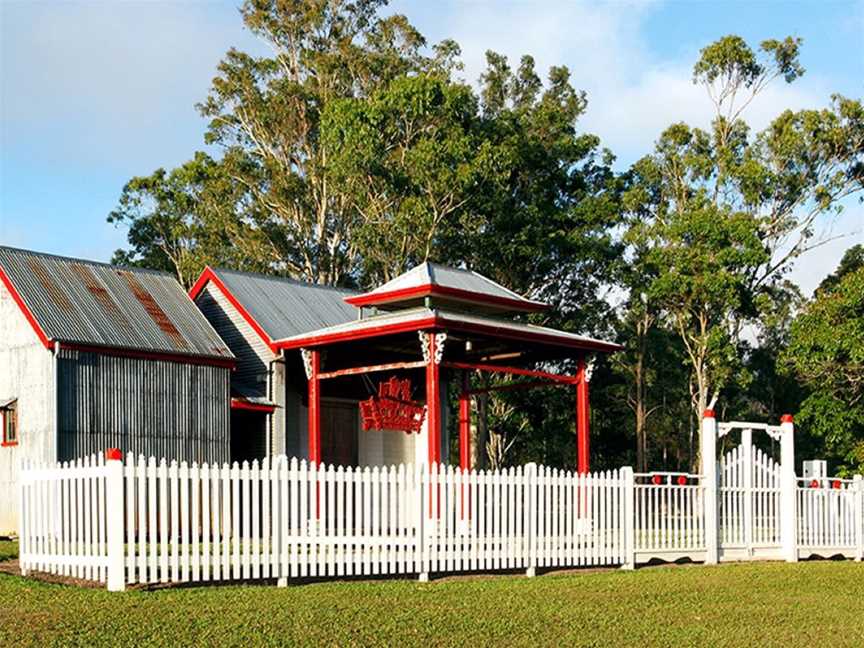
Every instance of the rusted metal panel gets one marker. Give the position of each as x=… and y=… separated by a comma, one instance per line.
x=97, y=304
x=144, y=406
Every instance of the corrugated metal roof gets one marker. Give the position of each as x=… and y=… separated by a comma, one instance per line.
x=448, y=277
x=86, y=302
x=285, y=307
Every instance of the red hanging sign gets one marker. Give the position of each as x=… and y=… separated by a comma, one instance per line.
x=392, y=408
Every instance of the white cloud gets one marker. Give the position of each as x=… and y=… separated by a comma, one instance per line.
x=114, y=82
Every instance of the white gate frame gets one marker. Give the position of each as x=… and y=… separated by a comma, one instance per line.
x=785, y=433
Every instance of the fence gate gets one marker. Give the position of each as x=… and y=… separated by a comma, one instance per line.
x=748, y=498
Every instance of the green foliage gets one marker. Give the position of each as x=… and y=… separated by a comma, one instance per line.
x=826, y=351
x=184, y=219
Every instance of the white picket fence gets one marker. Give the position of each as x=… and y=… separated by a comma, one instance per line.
x=146, y=522
x=286, y=519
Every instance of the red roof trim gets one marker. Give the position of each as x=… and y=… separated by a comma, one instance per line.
x=240, y=404
x=227, y=363
x=210, y=275
x=426, y=290
x=344, y=336
x=44, y=339
x=442, y=322
x=527, y=336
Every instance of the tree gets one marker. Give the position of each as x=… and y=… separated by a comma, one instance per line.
x=722, y=214
x=826, y=352
x=266, y=113
x=185, y=219
x=411, y=159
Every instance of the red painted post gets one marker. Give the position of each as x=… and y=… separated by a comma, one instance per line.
x=582, y=419
x=464, y=438
x=464, y=425
x=315, y=408
x=433, y=403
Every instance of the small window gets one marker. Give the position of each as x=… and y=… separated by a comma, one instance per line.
x=10, y=423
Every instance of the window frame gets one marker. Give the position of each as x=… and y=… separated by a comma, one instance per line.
x=7, y=413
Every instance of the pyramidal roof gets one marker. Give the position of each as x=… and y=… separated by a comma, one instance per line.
x=445, y=285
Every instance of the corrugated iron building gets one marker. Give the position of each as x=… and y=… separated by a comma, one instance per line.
x=95, y=356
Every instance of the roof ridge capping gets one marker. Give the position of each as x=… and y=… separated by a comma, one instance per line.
x=298, y=282
x=434, y=279
x=60, y=257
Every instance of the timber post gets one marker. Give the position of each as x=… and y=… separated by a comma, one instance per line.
x=114, y=524
x=709, y=485
x=788, y=490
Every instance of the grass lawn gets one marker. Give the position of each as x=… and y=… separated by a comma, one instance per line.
x=768, y=604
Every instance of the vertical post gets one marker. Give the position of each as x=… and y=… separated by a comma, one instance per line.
x=583, y=429
x=747, y=449
x=464, y=425
x=628, y=483
x=531, y=485
x=858, y=516
x=708, y=452
x=433, y=401
x=114, y=519
x=314, y=369
x=788, y=490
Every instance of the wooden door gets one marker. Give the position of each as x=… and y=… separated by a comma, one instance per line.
x=339, y=433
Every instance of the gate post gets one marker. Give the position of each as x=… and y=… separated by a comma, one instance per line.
x=747, y=448
x=708, y=452
x=788, y=490
x=628, y=483
x=858, y=484
x=114, y=519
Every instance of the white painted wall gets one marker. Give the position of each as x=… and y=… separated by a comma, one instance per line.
x=385, y=447
x=26, y=373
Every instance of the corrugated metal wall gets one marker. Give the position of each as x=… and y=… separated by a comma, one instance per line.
x=151, y=407
x=251, y=351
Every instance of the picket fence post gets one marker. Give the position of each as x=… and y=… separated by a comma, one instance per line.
x=708, y=452
x=858, y=484
x=788, y=490
x=114, y=519
x=629, y=517
x=423, y=474
x=531, y=485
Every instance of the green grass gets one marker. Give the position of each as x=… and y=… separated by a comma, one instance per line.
x=767, y=604
x=8, y=550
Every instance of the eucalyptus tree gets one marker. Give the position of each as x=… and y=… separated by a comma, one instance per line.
x=722, y=213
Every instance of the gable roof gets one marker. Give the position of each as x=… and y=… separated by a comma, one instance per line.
x=278, y=307
x=98, y=305
x=449, y=285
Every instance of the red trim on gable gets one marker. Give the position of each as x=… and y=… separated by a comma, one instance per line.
x=239, y=404
x=526, y=336
x=439, y=322
x=44, y=339
x=428, y=290
x=372, y=331
x=210, y=275
x=227, y=363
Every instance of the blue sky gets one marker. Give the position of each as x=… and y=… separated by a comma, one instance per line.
x=93, y=93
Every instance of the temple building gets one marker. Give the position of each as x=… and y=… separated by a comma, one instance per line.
x=339, y=377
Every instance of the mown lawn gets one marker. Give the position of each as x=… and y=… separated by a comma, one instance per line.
x=769, y=604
